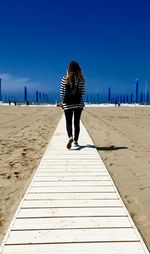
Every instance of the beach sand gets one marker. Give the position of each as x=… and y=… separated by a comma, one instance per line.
x=120, y=134
x=24, y=135
x=122, y=137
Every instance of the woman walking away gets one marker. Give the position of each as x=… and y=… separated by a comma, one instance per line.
x=72, y=92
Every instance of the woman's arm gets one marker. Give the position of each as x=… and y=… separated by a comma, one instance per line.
x=82, y=88
x=62, y=93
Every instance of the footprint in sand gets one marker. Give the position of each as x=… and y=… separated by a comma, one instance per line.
x=2, y=174
x=132, y=214
x=143, y=188
x=106, y=158
x=16, y=173
x=129, y=202
x=12, y=163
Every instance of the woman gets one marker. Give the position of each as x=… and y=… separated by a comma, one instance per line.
x=72, y=92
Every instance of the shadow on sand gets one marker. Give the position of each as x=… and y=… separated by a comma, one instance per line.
x=101, y=148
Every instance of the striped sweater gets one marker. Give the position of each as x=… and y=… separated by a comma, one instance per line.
x=62, y=93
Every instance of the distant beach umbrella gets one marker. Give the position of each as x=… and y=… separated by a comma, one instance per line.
x=37, y=96
x=40, y=97
x=109, y=94
x=87, y=99
x=136, y=90
x=145, y=94
x=120, y=98
x=116, y=99
x=98, y=98
x=46, y=98
x=112, y=100
x=147, y=97
x=91, y=98
x=43, y=95
x=124, y=99
x=25, y=93
x=141, y=97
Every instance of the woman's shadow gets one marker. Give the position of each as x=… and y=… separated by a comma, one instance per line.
x=101, y=148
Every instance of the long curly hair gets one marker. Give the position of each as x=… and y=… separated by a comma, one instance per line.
x=74, y=67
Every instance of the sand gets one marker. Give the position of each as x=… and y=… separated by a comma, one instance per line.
x=24, y=135
x=120, y=134
x=122, y=137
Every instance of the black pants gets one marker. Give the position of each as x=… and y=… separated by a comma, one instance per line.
x=69, y=114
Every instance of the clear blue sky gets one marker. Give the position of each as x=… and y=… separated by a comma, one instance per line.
x=109, y=38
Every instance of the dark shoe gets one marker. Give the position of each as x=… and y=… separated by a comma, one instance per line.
x=75, y=144
x=69, y=142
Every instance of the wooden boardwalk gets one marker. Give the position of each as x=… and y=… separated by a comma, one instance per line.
x=72, y=206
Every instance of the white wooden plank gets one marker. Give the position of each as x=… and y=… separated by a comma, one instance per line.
x=70, y=203
x=79, y=166
x=71, y=178
x=73, y=168
x=80, y=248
x=75, y=171
x=69, y=152
x=72, y=189
x=84, y=171
x=72, y=174
x=77, y=183
x=61, y=223
x=80, y=196
x=71, y=156
x=82, y=164
x=87, y=160
x=72, y=235
x=84, y=160
x=70, y=212
x=81, y=151
x=70, y=162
